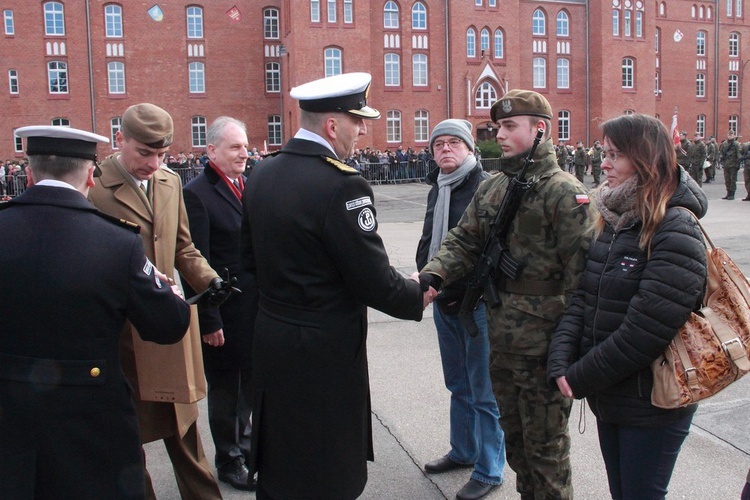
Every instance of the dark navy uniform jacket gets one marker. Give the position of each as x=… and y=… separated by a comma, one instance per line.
x=309, y=233
x=68, y=281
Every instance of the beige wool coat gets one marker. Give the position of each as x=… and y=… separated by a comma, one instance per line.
x=166, y=235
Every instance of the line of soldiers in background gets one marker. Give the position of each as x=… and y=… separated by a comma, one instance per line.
x=580, y=160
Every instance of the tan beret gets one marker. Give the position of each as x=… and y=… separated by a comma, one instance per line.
x=149, y=124
x=521, y=102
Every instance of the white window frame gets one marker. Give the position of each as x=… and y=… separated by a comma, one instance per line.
x=273, y=77
x=499, y=44
x=314, y=11
x=393, y=126
x=10, y=25
x=59, y=72
x=700, y=85
x=198, y=131
x=563, y=73
x=331, y=11
x=197, y=77
x=113, y=21
x=333, y=58
x=13, y=85
x=421, y=125
x=116, y=77
x=392, y=69
x=115, y=124
x=485, y=96
x=271, y=24
x=419, y=70
x=390, y=15
x=348, y=12
x=471, y=43
x=563, y=125
x=194, y=22
x=628, y=73
x=540, y=73
x=418, y=16
x=563, y=24
x=274, y=130
x=54, y=19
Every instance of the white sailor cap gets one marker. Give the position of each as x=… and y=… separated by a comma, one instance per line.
x=346, y=93
x=60, y=141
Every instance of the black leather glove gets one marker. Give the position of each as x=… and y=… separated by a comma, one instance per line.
x=427, y=280
x=218, y=291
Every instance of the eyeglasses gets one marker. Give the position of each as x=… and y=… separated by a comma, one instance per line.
x=453, y=144
x=612, y=156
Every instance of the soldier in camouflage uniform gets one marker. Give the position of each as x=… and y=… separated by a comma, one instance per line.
x=697, y=154
x=712, y=155
x=549, y=237
x=562, y=155
x=682, y=151
x=730, y=153
x=596, y=162
x=581, y=161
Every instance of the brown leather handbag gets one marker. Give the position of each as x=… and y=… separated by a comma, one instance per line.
x=712, y=349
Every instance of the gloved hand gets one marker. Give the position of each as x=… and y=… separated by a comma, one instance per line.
x=427, y=280
x=218, y=291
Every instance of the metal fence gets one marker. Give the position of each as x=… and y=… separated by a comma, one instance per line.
x=375, y=173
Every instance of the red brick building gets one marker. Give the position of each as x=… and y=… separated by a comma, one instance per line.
x=82, y=62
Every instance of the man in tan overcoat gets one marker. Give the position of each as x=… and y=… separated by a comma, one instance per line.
x=134, y=186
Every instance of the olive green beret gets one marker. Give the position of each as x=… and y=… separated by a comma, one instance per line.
x=521, y=102
x=149, y=124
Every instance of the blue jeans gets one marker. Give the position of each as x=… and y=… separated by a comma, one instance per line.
x=475, y=433
x=640, y=460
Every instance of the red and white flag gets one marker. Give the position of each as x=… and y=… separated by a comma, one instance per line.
x=674, y=131
x=234, y=14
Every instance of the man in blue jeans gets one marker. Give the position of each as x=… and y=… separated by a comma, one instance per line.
x=475, y=435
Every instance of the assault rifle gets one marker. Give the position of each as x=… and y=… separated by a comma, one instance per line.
x=495, y=255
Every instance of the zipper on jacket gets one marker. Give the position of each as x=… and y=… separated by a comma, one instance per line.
x=598, y=294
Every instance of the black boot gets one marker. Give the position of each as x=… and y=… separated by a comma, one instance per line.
x=730, y=195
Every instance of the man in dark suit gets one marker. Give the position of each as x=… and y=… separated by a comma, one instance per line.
x=135, y=186
x=214, y=208
x=68, y=427
x=309, y=235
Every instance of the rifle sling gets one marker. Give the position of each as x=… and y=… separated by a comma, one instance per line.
x=531, y=287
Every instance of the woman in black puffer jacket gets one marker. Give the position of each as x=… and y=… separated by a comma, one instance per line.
x=645, y=272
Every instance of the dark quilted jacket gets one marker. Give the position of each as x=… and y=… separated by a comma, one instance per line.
x=626, y=311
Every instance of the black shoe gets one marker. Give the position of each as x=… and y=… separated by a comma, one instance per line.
x=236, y=474
x=444, y=464
x=474, y=490
x=747, y=198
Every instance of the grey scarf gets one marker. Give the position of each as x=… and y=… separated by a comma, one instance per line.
x=443, y=202
x=616, y=205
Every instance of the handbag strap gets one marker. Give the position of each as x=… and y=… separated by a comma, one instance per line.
x=690, y=371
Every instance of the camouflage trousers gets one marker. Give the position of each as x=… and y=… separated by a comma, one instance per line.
x=534, y=418
x=596, y=171
x=730, y=178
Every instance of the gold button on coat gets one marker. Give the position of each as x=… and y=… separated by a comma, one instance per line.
x=95, y=372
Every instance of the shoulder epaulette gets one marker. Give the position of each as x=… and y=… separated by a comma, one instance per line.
x=167, y=169
x=130, y=226
x=340, y=165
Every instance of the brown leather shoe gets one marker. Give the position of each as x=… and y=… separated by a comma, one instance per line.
x=444, y=464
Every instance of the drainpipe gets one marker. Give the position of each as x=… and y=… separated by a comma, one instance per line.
x=91, y=66
x=447, y=60
x=716, y=69
x=588, y=78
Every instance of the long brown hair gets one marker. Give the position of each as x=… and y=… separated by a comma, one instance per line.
x=645, y=141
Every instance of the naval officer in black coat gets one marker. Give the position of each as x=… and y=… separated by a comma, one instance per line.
x=309, y=233
x=68, y=427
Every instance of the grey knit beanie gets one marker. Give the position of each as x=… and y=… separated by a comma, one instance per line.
x=455, y=127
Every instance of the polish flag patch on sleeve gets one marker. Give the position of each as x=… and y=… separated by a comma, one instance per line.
x=582, y=199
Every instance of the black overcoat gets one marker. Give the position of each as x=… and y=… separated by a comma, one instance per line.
x=309, y=233
x=215, y=215
x=70, y=278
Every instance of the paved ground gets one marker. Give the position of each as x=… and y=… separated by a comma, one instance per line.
x=410, y=403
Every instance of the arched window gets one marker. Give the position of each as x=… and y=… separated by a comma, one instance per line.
x=194, y=22
x=419, y=16
x=60, y=122
x=734, y=44
x=471, y=43
x=274, y=130
x=113, y=21
x=390, y=15
x=538, y=21
x=563, y=24
x=485, y=96
x=499, y=45
x=700, y=43
x=332, y=58
x=197, y=77
x=271, y=24
x=54, y=19
x=484, y=40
